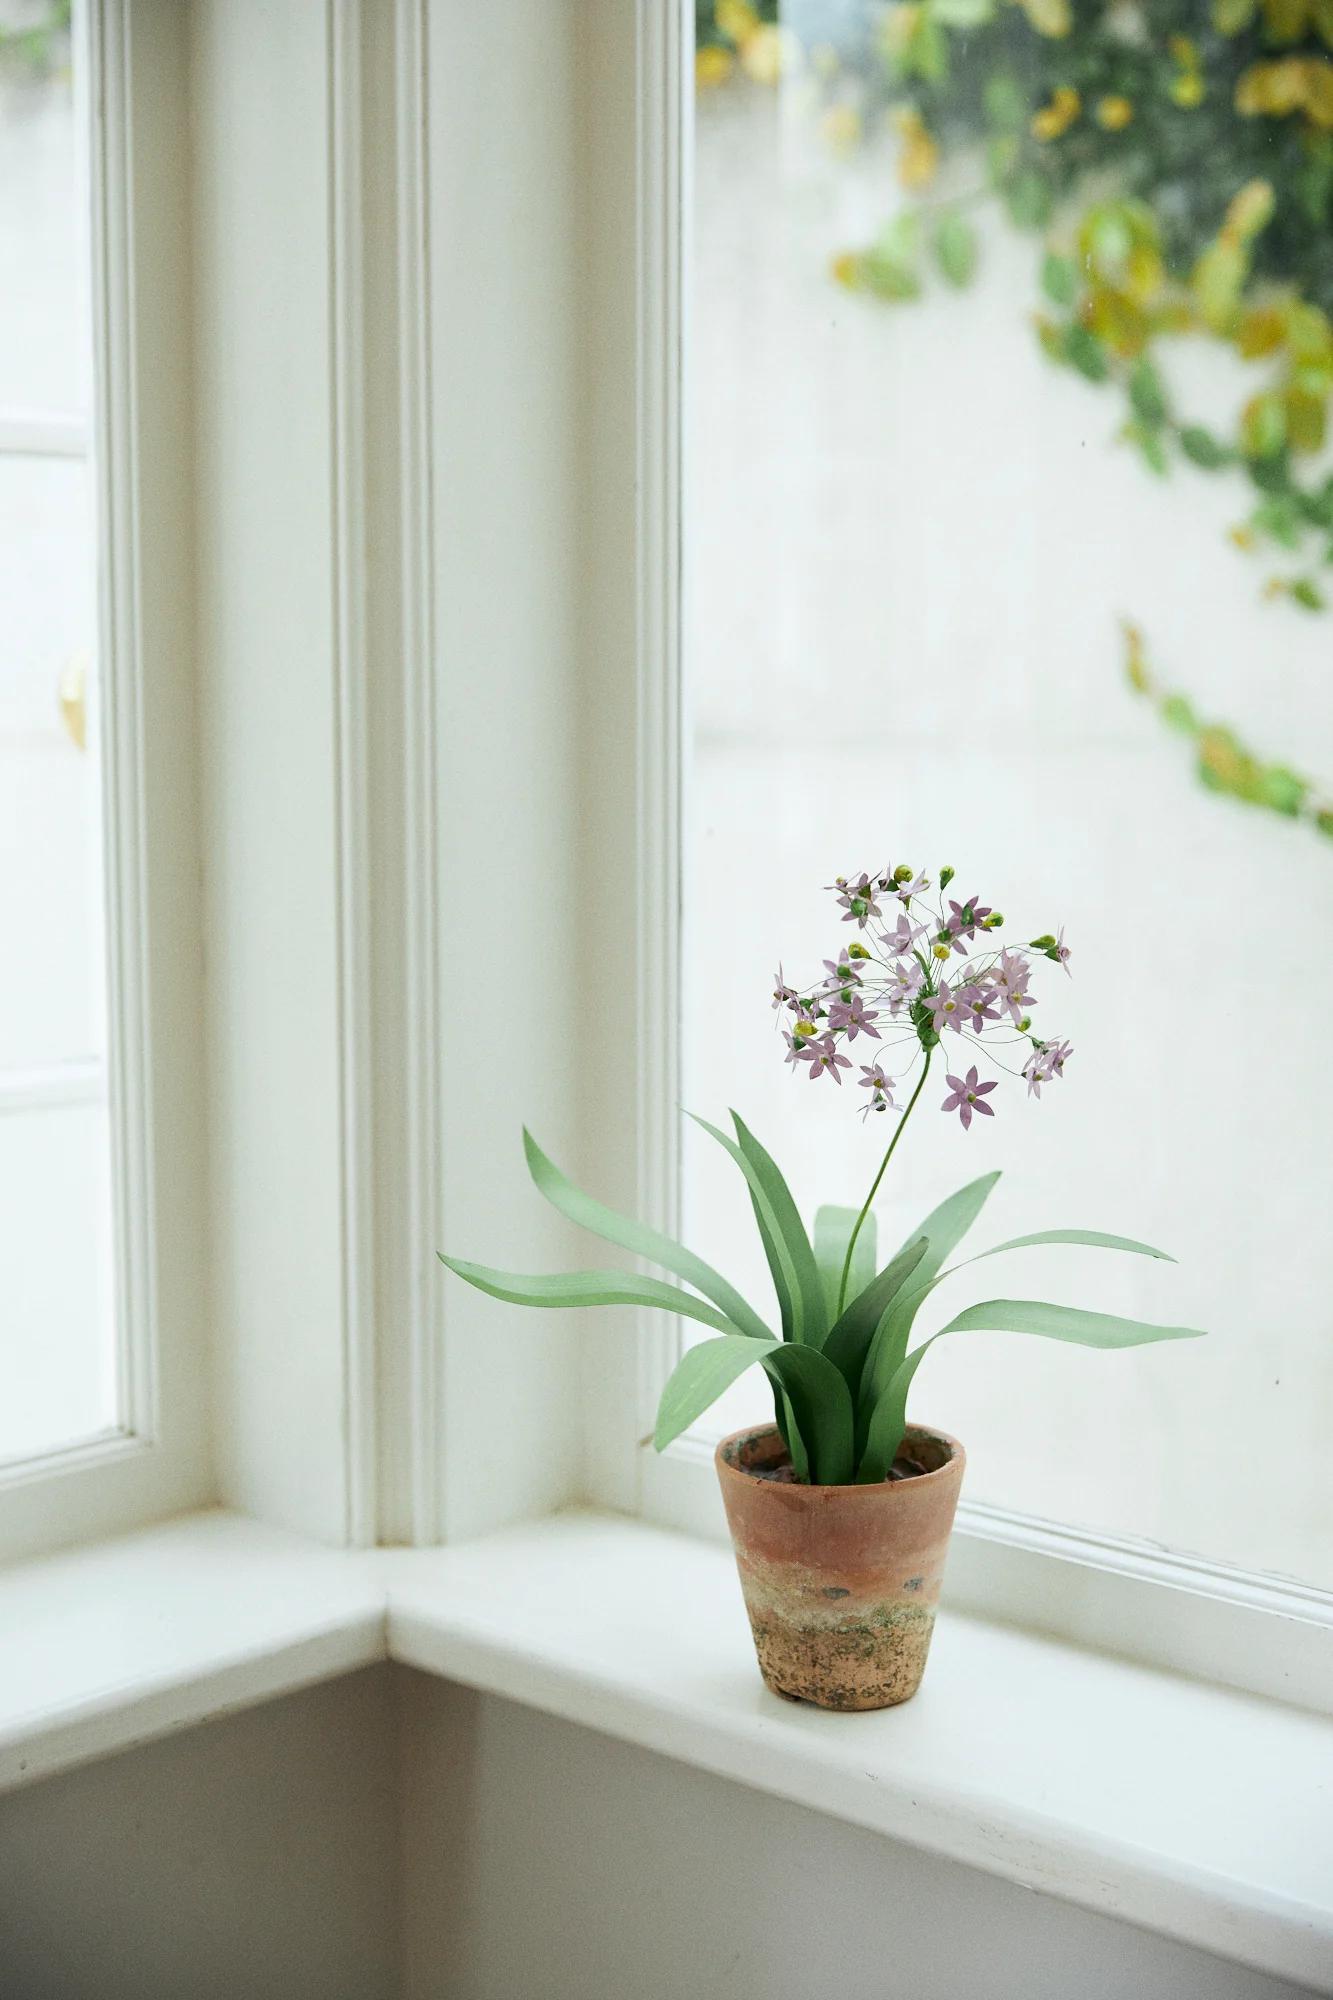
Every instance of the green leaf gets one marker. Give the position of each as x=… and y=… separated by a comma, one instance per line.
x=1083, y=350
x=791, y=1435
x=812, y=1316
x=1203, y=449
x=1090, y=1239
x=1029, y=200
x=943, y=1229
x=639, y=1238
x=587, y=1288
x=956, y=249
x=1059, y=279
x=1005, y=102
x=790, y=1296
x=1083, y=1329
x=833, y=1226
x=946, y=1226
x=849, y=1340
x=1148, y=438
x=821, y=1403
x=818, y=1404
x=701, y=1375
x=1147, y=392
x=890, y=1345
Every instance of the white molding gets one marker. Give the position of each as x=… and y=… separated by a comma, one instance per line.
x=356, y=1026
x=423, y=1338
x=662, y=144
x=117, y=431
x=42, y=434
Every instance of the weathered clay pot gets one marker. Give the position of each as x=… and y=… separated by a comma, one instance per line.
x=841, y=1582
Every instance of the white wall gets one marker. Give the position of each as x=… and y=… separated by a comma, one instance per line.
x=254, y=1857
x=542, y=1862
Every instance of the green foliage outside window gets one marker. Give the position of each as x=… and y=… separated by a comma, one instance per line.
x=1175, y=160
x=42, y=46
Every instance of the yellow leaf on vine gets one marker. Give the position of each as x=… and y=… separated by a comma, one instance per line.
x=1114, y=113
x=1261, y=331
x=736, y=19
x=918, y=156
x=1053, y=18
x=1055, y=118
x=712, y=66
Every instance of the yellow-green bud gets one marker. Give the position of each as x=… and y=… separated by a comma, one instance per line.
x=804, y=1028
x=857, y=951
x=940, y=951
x=992, y=922
x=946, y=877
x=902, y=873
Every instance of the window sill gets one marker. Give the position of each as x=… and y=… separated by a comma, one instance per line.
x=1188, y=1809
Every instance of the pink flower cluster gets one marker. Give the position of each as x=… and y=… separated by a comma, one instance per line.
x=899, y=983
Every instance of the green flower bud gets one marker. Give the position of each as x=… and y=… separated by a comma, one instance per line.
x=1044, y=943
x=902, y=873
x=857, y=951
x=804, y=1029
x=992, y=922
x=946, y=877
x=1025, y=1024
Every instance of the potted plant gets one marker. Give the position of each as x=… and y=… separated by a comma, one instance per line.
x=840, y=1510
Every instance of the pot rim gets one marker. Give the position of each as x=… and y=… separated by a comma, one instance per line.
x=956, y=1460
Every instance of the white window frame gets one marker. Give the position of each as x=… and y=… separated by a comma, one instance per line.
x=1261, y=1633
x=155, y=1460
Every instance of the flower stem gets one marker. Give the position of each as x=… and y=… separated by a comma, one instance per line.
x=874, y=1185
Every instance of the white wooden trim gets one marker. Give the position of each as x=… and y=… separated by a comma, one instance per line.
x=157, y=1461
x=1252, y=1632
x=420, y=1438
x=353, y=797
x=662, y=154
x=117, y=423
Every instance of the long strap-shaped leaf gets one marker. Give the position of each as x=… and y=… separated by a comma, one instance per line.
x=947, y=1225
x=787, y=1218
x=816, y=1394
x=589, y=1288
x=1084, y=1329
x=777, y=1248
x=889, y=1347
x=640, y=1238
x=833, y=1226
x=851, y=1336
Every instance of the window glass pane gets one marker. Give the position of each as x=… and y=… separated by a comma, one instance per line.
x=43, y=329
x=1007, y=547
x=58, y=1373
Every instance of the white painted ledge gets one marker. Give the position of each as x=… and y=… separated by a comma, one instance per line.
x=122, y=1641
x=1194, y=1811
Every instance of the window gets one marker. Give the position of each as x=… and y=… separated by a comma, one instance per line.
x=102, y=1386
x=58, y=1346
x=1005, y=548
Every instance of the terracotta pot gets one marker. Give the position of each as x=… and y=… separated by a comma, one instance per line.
x=841, y=1582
